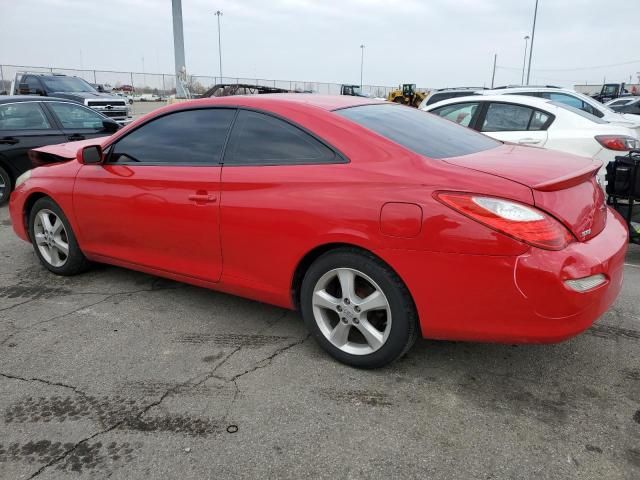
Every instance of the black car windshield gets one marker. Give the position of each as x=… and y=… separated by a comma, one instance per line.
x=67, y=84
x=424, y=133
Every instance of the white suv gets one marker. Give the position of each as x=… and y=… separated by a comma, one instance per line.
x=573, y=99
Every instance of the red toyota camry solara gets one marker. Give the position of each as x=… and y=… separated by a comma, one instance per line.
x=377, y=221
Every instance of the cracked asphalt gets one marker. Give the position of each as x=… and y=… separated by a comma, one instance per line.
x=117, y=374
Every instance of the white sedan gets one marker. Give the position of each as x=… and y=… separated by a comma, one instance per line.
x=541, y=123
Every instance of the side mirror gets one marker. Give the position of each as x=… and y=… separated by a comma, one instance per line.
x=90, y=155
x=110, y=126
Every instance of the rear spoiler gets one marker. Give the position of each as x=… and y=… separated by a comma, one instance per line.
x=569, y=180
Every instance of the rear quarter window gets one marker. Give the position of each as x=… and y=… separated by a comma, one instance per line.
x=422, y=132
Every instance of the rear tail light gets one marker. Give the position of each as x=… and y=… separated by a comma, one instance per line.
x=516, y=220
x=621, y=143
x=586, y=283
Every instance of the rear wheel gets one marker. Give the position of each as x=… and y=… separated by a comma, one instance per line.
x=53, y=240
x=358, y=309
x=5, y=185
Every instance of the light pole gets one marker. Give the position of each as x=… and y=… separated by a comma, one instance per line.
x=219, y=14
x=533, y=34
x=361, y=63
x=524, y=61
x=178, y=49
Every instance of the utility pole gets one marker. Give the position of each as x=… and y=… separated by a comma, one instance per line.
x=361, y=64
x=524, y=61
x=533, y=34
x=219, y=14
x=493, y=75
x=178, y=48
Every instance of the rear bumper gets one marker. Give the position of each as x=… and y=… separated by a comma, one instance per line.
x=518, y=299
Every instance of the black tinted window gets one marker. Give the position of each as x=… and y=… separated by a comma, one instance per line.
x=422, y=132
x=189, y=137
x=265, y=140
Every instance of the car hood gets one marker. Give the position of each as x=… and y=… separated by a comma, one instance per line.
x=62, y=152
x=86, y=96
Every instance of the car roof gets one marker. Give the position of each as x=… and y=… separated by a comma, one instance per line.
x=325, y=102
x=520, y=99
x=531, y=88
x=31, y=98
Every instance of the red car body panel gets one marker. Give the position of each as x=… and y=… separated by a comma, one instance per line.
x=468, y=282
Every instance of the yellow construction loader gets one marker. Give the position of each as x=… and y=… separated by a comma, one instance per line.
x=407, y=95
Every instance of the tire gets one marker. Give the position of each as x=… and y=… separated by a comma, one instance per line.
x=328, y=313
x=6, y=185
x=46, y=239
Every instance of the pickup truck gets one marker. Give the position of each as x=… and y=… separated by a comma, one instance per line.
x=75, y=89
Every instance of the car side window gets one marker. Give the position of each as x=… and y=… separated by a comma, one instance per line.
x=566, y=99
x=76, y=116
x=23, y=116
x=33, y=83
x=461, y=113
x=538, y=120
x=188, y=137
x=506, y=117
x=260, y=139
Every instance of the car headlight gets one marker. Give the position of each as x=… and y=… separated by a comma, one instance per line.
x=23, y=178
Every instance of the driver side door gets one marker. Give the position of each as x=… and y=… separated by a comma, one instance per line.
x=154, y=202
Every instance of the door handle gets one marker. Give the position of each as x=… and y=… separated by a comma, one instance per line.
x=9, y=140
x=76, y=136
x=529, y=141
x=202, y=197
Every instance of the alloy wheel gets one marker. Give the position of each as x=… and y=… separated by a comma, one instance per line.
x=351, y=311
x=51, y=238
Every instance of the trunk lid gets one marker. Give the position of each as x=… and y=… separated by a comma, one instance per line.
x=563, y=185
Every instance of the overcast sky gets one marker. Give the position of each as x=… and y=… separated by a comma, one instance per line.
x=433, y=43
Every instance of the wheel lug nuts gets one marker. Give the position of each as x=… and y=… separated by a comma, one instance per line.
x=344, y=320
x=339, y=308
x=356, y=308
x=347, y=301
x=355, y=320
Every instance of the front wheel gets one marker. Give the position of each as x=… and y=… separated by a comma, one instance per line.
x=358, y=309
x=5, y=185
x=53, y=240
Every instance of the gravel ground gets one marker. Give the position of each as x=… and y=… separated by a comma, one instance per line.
x=117, y=374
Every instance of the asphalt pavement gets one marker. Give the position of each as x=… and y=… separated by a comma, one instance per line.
x=117, y=374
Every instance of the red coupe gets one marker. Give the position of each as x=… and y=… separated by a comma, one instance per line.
x=377, y=221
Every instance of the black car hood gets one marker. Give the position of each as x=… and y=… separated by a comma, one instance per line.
x=85, y=95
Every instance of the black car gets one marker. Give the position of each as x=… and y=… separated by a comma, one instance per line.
x=28, y=122
x=626, y=105
x=75, y=89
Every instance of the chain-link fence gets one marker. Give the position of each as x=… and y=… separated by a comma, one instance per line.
x=165, y=84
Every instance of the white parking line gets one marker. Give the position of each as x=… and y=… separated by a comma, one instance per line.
x=631, y=265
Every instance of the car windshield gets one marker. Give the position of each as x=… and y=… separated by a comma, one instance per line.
x=577, y=111
x=421, y=132
x=67, y=84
